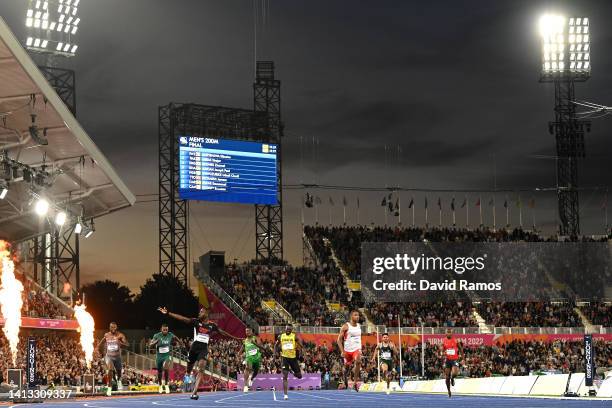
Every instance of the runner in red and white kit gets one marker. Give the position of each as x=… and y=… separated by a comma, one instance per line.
x=349, y=342
x=451, y=364
x=110, y=347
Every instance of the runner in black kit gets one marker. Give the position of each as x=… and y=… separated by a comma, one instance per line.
x=386, y=353
x=198, y=352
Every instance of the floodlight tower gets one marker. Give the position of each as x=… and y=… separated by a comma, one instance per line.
x=51, y=27
x=566, y=59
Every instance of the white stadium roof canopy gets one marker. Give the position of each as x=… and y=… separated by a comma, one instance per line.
x=90, y=185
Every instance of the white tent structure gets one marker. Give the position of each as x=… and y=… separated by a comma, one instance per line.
x=84, y=181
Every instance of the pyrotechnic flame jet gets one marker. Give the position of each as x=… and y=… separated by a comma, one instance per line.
x=87, y=325
x=10, y=299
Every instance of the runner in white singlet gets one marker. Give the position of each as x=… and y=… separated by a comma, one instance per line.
x=349, y=342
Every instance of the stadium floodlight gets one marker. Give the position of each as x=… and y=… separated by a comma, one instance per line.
x=60, y=218
x=3, y=190
x=565, y=46
x=52, y=22
x=41, y=207
x=78, y=227
x=90, y=230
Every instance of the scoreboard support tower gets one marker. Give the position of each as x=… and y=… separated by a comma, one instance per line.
x=269, y=218
x=178, y=119
x=262, y=124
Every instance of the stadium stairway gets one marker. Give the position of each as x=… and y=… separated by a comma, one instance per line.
x=589, y=327
x=227, y=300
x=309, y=255
x=482, y=324
x=278, y=313
x=334, y=258
x=346, y=279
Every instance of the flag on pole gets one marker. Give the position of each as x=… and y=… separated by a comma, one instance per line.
x=519, y=204
x=318, y=200
x=390, y=206
x=506, y=203
x=464, y=203
x=491, y=201
x=453, y=204
x=397, y=207
x=604, y=203
x=357, y=202
x=308, y=200
x=425, y=202
x=331, y=202
x=344, y=202
x=531, y=203
x=411, y=203
x=384, y=202
x=439, y=203
x=478, y=202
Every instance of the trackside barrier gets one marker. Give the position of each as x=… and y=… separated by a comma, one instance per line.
x=519, y=385
x=550, y=385
x=576, y=384
x=545, y=385
x=605, y=390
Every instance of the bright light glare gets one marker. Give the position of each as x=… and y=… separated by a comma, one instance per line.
x=42, y=207
x=78, y=228
x=60, y=218
x=551, y=24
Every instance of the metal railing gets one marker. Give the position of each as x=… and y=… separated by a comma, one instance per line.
x=276, y=317
x=138, y=362
x=144, y=363
x=229, y=301
x=442, y=330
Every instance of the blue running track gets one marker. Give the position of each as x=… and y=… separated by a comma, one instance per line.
x=319, y=399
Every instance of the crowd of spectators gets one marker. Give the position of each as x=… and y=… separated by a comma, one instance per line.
x=346, y=241
x=59, y=360
x=38, y=303
x=529, y=314
x=599, y=313
x=302, y=292
x=345, y=244
x=456, y=314
x=517, y=357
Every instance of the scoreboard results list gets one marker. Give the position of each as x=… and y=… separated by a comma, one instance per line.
x=227, y=170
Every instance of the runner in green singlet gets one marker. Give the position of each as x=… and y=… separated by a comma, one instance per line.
x=164, y=340
x=251, y=346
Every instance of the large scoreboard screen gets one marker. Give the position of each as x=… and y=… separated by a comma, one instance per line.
x=224, y=170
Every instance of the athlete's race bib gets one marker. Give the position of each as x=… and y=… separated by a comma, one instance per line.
x=450, y=352
x=253, y=352
x=385, y=355
x=202, y=337
x=164, y=349
x=287, y=346
x=112, y=347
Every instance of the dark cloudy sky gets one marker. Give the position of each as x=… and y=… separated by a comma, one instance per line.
x=454, y=83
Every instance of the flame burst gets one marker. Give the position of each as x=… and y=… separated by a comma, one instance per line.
x=87, y=325
x=10, y=299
